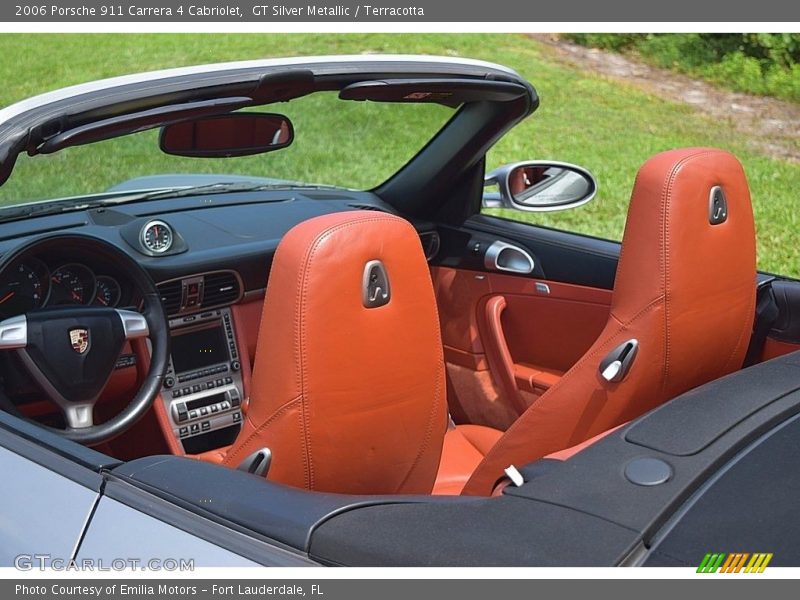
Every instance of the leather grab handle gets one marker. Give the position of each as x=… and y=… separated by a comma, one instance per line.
x=501, y=365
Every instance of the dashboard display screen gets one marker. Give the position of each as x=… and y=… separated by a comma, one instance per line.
x=199, y=348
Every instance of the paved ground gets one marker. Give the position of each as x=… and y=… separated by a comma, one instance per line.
x=774, y=125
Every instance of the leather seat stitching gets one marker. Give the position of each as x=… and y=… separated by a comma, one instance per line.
x=257, y=431
x=664, y=257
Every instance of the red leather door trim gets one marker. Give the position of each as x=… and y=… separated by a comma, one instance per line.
x=501, y=365
x=774, y=348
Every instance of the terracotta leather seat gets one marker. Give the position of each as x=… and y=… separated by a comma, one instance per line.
x=348, y=398
x=685, y=290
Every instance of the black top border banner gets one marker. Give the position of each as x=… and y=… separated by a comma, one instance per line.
x=408, y=11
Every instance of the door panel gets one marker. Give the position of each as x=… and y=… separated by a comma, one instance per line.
x=561, y=256
x=43, y=511
x=117, y=530
x=507, y=339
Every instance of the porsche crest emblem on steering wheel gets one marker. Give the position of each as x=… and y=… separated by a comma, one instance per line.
x=79, y=338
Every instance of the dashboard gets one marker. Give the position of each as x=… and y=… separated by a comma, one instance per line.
x=229, y=232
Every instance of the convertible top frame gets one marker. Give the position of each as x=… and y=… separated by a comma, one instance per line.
x=449, y=156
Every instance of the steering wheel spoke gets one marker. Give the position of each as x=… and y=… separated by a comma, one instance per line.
x=78, y=416
x=14, y=333
x=134, y=324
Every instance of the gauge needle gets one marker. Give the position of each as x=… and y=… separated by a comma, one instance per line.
x=76, y=297
x=101, y=301
x=7, y=297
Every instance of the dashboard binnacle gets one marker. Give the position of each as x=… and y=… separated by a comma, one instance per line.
x=35, y=283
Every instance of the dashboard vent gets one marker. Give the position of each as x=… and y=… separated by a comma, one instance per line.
x=367, y=207
x=220, y=288
x=430, y=244
x=171, y=294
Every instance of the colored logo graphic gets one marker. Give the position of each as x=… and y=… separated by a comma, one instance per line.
x=738, y=562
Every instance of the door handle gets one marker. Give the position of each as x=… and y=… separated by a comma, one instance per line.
x=505, y=257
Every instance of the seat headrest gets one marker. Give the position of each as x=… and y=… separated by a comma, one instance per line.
x=349, y=359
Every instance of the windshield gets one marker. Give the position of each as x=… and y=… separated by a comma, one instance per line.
x=342, y=143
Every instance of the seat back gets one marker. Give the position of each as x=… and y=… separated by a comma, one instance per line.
x=349, y=398
x=684, y=290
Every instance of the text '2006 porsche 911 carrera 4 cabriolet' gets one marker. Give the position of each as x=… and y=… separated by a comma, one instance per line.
x=206, y=350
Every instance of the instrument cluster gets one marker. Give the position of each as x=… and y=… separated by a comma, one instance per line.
x=32, y=284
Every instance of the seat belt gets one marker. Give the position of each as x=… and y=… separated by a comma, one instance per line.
x=767, y=312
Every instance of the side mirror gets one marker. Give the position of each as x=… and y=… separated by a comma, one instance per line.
x=220, y=136
x=539, y=186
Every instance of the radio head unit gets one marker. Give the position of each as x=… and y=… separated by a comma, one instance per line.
x=203, y=386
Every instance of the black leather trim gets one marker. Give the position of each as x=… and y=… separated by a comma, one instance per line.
x=787, y=326
x=563, y=256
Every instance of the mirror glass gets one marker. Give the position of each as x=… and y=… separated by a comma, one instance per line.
x=549, y=186
x=236, y=134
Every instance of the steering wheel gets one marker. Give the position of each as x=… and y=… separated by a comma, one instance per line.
x=71, y=351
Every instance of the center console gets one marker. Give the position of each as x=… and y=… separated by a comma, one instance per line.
x=203, y=387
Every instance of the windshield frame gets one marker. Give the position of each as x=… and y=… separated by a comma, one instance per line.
x=25, y=125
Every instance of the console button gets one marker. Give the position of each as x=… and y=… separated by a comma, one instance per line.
x=214, y=408
x=206, y=425
x=183, y=431
x=186, y=391
x=235, y=401
x=176, y=394
x=195, y=427
x=196, y=388
x=229, y=380
x=219, y=382
x=204, y=411
x=237, y=417
x=210, y=385
x=193, y=414
x=226, y=405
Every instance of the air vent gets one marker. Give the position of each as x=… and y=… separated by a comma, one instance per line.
x=430, y=244
x=171, y=293
x=367, y=207
x=220, y=288
x=196, y=292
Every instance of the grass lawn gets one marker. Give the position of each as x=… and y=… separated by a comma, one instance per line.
x=602, y=125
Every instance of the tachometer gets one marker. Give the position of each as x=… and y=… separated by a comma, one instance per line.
x=108, y=291
x=72, y=284
x=23, y=287
x=157, y=237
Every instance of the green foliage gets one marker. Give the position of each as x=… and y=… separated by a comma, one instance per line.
x=757, y=63
x=609, y=41
x=606, y=126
